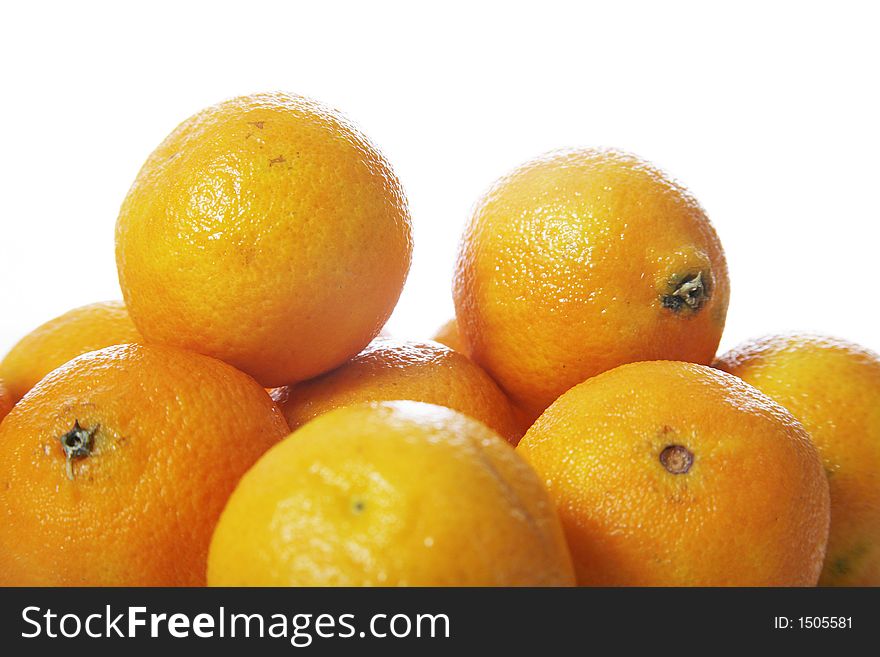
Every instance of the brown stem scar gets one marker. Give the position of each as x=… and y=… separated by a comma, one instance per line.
x=257, y=124
x=677, y=459
x=690, y=293
x=77, y=444
x=277, y=160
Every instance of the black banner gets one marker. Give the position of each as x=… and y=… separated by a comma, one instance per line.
x=434, y=621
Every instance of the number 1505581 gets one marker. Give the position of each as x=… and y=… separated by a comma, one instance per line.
x=813, y=622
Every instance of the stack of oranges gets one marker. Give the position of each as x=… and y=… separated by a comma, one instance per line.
x=239, y=420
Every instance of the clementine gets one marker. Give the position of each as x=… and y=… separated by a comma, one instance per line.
x=583, y=260
x=449, y=335
x=6, y=402
x=59, y=340
x=675, y=474
x=390, y=494
x=833, y=388
x=389, y=370
x=117, y=465
x=268, y=232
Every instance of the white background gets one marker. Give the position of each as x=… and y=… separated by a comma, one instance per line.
x=767, y=111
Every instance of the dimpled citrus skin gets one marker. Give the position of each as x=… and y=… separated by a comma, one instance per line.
x=449, y=335
x=389, y=370
x=173, y=432
x=59, y=340
x=268, y=232
x=833, y=388
x=564, y=267
x=751, y=510
x=6, y=402
x=390, y=494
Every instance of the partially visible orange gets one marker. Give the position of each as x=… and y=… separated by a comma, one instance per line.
x=390, y=494
x=116, y=466
x=833, y=388
x=6, y=402
x=389, y=370
x=74, y=333
x=266, y=231
x=449, y=335
x=580, y=261
x=675, y=474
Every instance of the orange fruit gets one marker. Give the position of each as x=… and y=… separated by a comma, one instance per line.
x=583, y=260
x=117, y=465
x=266, y=231
x=676, y=474
x=6, y=402
x=833, y=388
x=388, y=370
x=391, y=494
x=449, y=335
x=74, y=333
